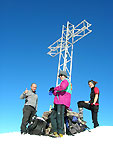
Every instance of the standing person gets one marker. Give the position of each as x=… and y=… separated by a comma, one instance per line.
x=92, y=105
x=62, y=101
x=30, y=107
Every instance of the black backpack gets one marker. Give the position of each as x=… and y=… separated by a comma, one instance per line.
x=37, y=126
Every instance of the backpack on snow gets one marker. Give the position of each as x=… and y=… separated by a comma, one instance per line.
x=37, y=126
x=73, y=125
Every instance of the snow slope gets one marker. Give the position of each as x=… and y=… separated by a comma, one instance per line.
x=99, y=138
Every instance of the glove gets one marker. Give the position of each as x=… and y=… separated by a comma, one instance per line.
x=51, y=89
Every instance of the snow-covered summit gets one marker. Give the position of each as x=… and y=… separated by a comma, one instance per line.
x=98, y=138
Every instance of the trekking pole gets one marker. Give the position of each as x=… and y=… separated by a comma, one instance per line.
x=88, y=129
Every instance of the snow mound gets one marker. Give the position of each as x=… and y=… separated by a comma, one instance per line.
x=98, y=138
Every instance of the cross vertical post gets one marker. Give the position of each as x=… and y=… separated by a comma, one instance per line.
x=64, y=46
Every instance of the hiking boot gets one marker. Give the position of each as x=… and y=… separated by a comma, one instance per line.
x=55, y=134
x=96, y=125
x=60, y=135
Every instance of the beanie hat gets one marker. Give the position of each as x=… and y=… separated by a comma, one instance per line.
x=63, y=73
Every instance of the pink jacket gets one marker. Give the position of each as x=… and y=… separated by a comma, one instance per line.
x=62, y=97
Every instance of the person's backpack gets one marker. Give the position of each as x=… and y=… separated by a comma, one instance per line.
x=73, y=125
x=37, y=126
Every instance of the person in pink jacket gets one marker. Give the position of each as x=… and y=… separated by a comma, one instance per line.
x=62, y=101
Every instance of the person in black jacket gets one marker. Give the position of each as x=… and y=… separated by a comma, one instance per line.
x=92, y=105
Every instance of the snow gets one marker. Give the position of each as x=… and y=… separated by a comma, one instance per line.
x=98, y=138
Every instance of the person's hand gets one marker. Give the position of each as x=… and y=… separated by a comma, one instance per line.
x=51, y=89
x=26, y=91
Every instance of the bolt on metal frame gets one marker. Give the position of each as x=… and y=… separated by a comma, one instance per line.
x=64, y=46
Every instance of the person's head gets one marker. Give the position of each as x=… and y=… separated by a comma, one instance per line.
x=33, y=87
x=62, y=75
x=92, y=83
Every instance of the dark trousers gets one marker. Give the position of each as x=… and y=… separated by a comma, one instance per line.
x=94, y=111
x=57, y=119
x=28, y=113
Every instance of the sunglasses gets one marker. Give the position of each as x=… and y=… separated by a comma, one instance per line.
x=60, y=75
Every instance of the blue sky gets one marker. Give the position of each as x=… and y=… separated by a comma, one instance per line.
x=27, y=28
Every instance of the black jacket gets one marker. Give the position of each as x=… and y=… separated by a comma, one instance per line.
x=92, y=96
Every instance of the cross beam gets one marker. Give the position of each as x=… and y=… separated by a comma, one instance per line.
x=64, y=46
